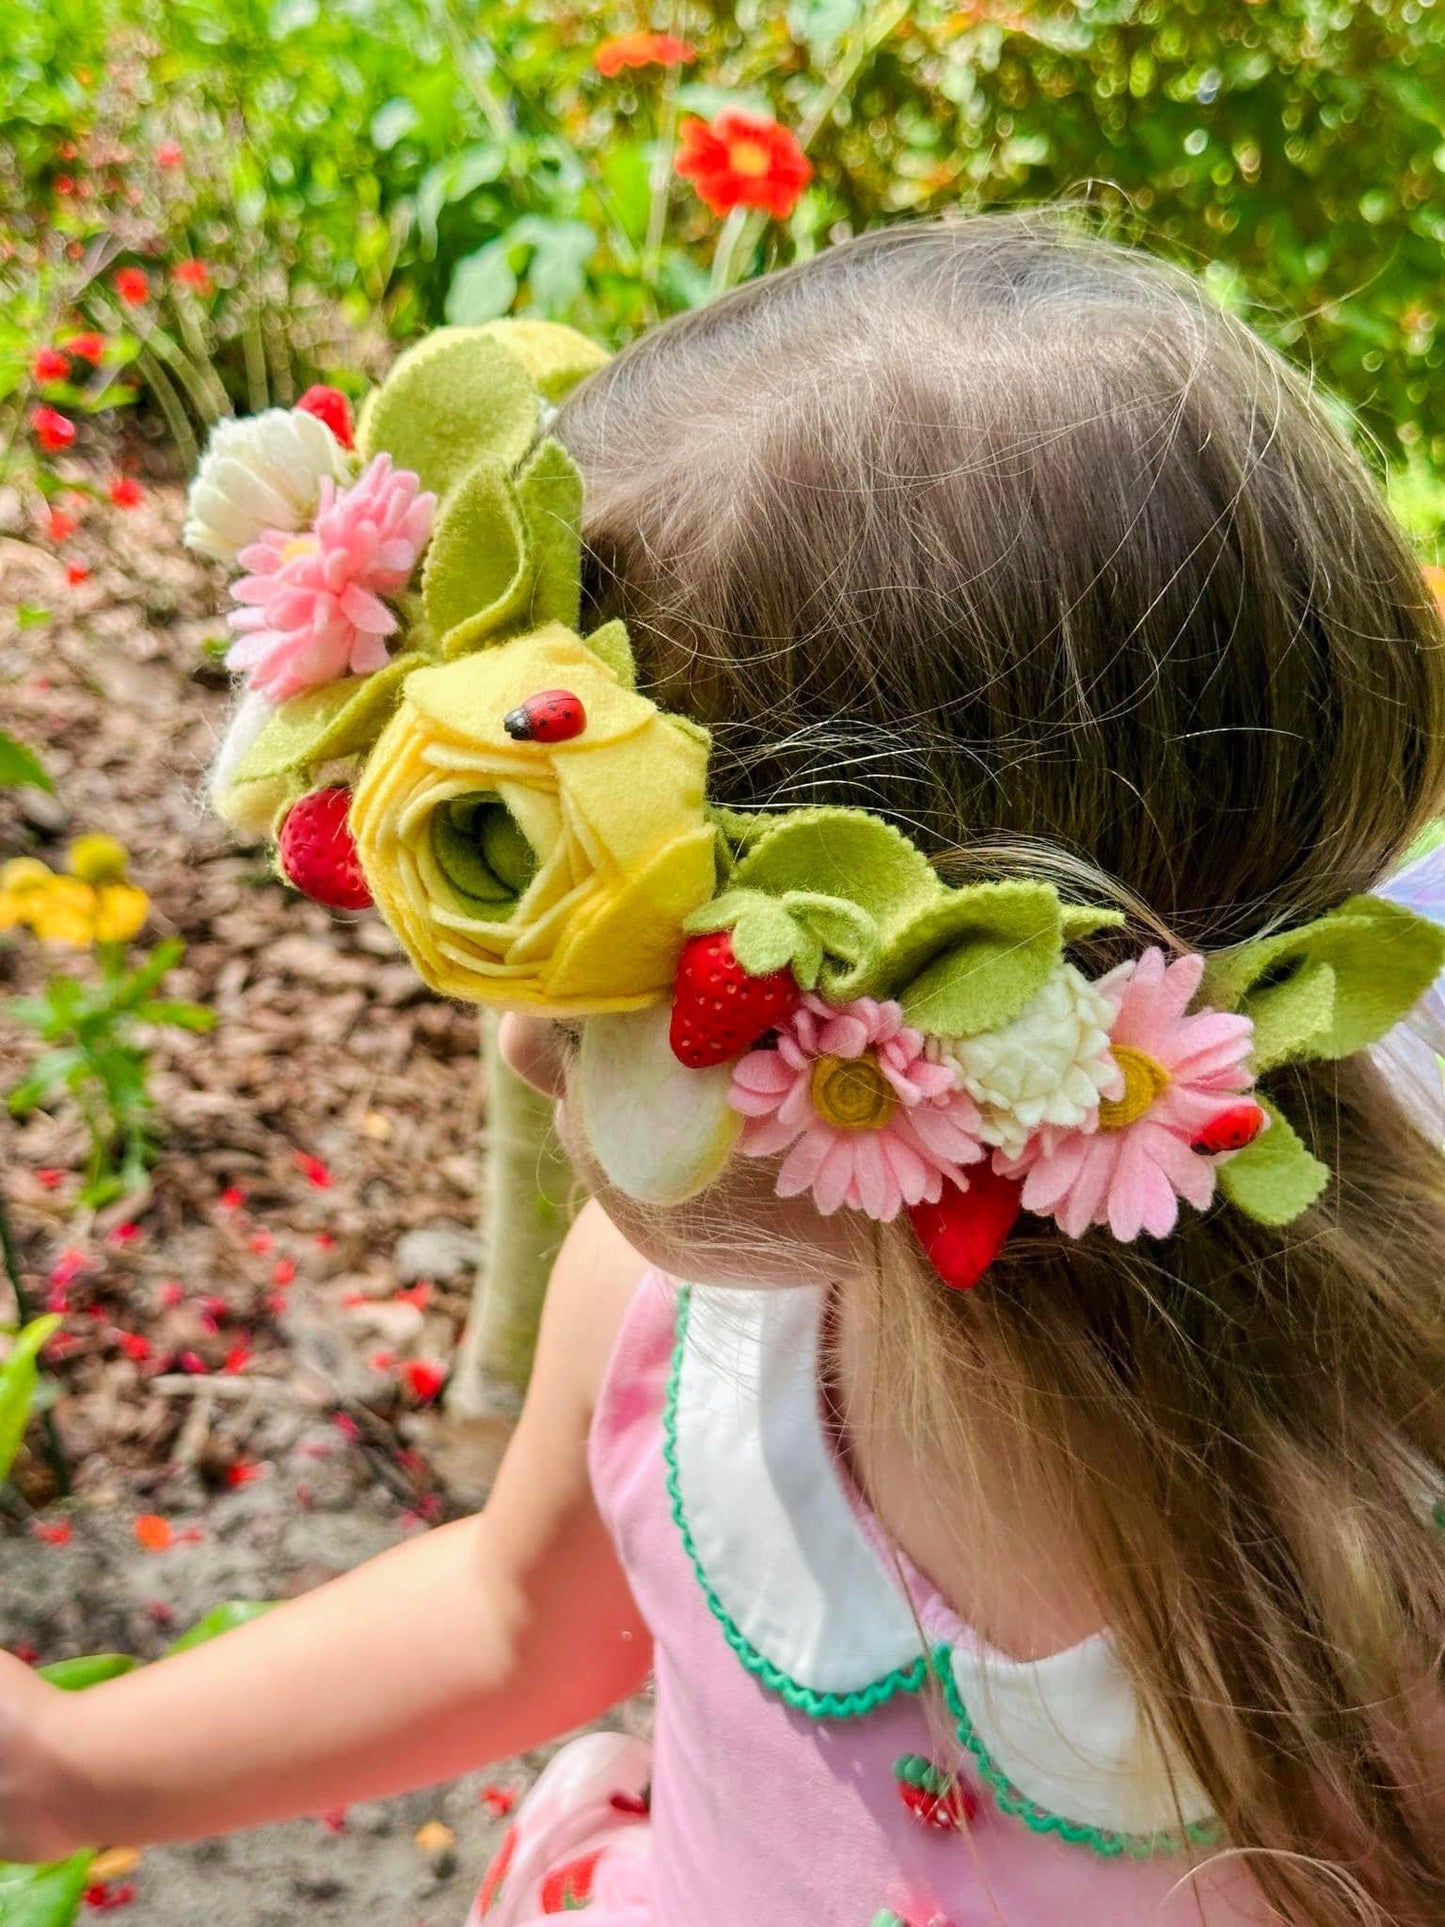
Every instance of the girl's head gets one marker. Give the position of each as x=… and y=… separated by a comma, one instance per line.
x=1015, y=538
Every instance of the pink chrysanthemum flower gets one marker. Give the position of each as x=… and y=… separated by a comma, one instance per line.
x=311, y=607
x=1178, y=1073
x=866, y=1119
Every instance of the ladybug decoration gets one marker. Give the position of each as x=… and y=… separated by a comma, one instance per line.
x=1229, y=1130
x=552, y=716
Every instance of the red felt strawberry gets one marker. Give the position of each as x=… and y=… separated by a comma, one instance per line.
x=1230, y=1130
x=568, y=1889
x=966, y=1230
x=551, y=716
x=318, y=853
x=718, y=1010
x=329, y=405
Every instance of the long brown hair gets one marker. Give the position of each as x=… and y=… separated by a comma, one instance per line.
x=1014, y=537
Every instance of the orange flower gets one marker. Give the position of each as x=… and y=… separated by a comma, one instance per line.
x=194, y=275
x=742, y=159
x=153, y=1532
x=53, y=430
x=89, y=348
x=126, y=492
x=641, y=50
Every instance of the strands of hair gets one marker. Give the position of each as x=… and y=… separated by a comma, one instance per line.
x=1013, y=536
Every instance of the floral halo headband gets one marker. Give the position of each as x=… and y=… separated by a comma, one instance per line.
x=426, y=728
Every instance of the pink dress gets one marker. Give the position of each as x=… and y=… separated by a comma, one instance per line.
x=833, y=1747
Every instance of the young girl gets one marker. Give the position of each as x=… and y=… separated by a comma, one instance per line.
x=1075, y=1565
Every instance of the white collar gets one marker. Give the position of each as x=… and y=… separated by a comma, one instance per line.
x=812, y=1606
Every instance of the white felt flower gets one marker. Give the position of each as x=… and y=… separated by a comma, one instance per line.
x=261, y=473
x=1051, y=1065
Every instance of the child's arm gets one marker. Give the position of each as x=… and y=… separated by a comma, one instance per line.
x=478, y=1641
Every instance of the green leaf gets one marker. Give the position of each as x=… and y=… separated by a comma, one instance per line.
x=30, y=615
x=392, y=122
x=972, y=963
x=1380, y=960
x=612, y=645
x=454, y=398
x=324, y=725
x=549, y=490
x=48, y=1073
x=483, y=286
x=476, y=576
x=20, y=767
x=1082, y=920
x=221, y=1619
x=46, y=1896
x=843, y=853
x=453, y=180
x=177, y=1016
x=1274, y=1179
x=74, y=1675
x=19, y=1375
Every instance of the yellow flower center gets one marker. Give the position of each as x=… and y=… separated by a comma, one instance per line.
x=852, y=1093
x=1145, y=1079
x=298, y=545
x=748, y=157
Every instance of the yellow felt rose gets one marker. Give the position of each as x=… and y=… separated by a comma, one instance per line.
x=552, y=876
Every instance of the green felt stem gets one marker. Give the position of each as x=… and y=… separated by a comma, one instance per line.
x=528, y=1207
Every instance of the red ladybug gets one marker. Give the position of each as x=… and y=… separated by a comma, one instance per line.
x=1229, y=1130
x=553, y=716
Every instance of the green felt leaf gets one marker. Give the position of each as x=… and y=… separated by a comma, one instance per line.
x=612, y=645
x=455, y=397
x=47, y=1896
x=1382, y=957
x=339, y=719
x=549, y=490
x=1082, y=920
x=846, y=936
x=847, y=854
x=765, y=938
x=476, y=576
x=824, y=939
x=1274, y=1179
x=972, y=962
x=555, y=356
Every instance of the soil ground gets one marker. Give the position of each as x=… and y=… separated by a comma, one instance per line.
x=234, y=1357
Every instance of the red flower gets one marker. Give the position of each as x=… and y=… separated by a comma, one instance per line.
x=135, y=1346
x=382, y=1361
x=261, y=1242
x=743, y=160
x=284, y=1273
x=193, y=1363
x=126, y=492
x=312, y=1169
x=105, y=1899
x=324, y=1241
x=641, y=50
x=48, y=1178
x=57, y=1533
x=59, y=527
x=171, y=1294
x=133, y=287
x=499, y=1799
x=170, y=154
x=124, y=1234
x=89, y=348
x=237, y=1359
x=50, y=364
x=195, y=275
x=76, y=574
x=243, y=1471
x=53, y=430
x=232, y=1198
x=64, y=185
x=425, y=1378
x=417, y=1294
x=68, y=1267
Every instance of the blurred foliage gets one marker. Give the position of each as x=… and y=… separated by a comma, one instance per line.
x=372, y=167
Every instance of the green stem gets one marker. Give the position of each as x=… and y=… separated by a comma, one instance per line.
x=25, y=1311
x=725, y=254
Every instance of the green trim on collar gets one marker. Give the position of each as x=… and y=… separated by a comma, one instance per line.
x=1100, y=1840
x=818, y=1706
x=907, y=1679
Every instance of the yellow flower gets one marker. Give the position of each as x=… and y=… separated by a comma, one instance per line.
x=71, y=909
x=97, y=858
x=547, y=875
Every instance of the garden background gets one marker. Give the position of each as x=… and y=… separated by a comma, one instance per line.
x=240, y=1160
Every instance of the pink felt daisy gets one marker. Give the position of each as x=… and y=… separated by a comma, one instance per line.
x=1178, y=1074
x=311, y=603
x=866, y=1119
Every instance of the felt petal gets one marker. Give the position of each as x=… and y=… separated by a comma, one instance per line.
x=1085, y=1204
x=835, y=1173
x=1049, y=1180
x=913, y=1176
x=765, y=1137
x=879, y=1194
x=846, y=1035
x=1191, y=1176
x=764, y=1073
x=803, y=1163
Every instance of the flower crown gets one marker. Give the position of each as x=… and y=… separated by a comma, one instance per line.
x=426, y=728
